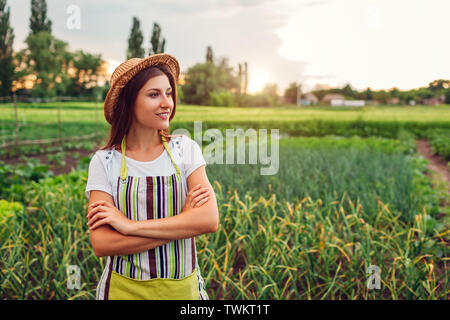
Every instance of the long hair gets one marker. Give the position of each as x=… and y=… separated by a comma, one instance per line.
x=123, y=110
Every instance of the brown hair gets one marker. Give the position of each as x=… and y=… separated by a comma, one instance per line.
x=123, y=110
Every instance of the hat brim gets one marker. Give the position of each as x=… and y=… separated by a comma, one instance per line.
x=127, y=73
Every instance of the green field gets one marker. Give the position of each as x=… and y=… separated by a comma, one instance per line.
x=337, y=205
x=85, y=118
x=74, y=111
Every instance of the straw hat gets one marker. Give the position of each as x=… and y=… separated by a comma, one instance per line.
x=128, y=69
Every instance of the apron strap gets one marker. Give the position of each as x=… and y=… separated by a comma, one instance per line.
x=123, y=167
x=170, y=154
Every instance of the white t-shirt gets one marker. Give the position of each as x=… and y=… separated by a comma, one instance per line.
x=104, y=167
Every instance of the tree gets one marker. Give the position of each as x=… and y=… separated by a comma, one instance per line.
x=438, y=85
x=135, y=40
x=394, y=92
x=240, y=74
x=245, y=77
x=199, y=82
x=6, y=50
x=290, y=94
x=447, y=96
x=209, y=55
x=381, y=96
x=45, y=54
x=38, y=20
x=204, y=79
x=410, y=96
x=320, y=93
x=222, y=98
x=47, y=58
x=347, y=91
x=424, y=93
x=241, y=97
x=157, y=46
x=368, y=95
x=270, y=90
x=226, y=79
x=86, y=75
x=242, y=78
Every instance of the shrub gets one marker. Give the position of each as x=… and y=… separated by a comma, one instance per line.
x=223, y=99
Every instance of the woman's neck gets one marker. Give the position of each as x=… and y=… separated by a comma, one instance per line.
x=142, y=140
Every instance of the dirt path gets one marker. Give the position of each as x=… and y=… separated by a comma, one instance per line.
x=436, y=163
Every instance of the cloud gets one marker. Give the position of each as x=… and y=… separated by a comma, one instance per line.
x=315, y=3
x=370, y=43
x=242, y=30
x=284, y=40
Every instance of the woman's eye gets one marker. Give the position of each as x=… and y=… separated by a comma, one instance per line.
x=156, y=94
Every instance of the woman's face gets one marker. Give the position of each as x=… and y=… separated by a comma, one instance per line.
x=154, y=98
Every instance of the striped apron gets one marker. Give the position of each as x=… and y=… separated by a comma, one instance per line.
x=167, y=272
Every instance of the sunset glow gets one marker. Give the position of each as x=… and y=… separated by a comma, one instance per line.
x=257, y=80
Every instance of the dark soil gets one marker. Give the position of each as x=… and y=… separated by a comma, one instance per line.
x=436, y=162
x=71, y=162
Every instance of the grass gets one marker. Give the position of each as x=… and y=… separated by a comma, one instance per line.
x=271, y=249
x=287, y=113
x=40, y=121
x=76, y=111
x=363, y=170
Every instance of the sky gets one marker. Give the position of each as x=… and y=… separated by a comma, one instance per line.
x=367, y=43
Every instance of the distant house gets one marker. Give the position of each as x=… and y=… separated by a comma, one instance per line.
x=309, y=99
x=354, y=103
x=433, y=101
x=332, y=96
x=336, y=100
x=394, y=101
x=289, y=100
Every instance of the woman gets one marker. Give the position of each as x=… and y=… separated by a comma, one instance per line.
x=149, y=195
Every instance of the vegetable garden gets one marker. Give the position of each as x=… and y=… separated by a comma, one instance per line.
x=351, y=192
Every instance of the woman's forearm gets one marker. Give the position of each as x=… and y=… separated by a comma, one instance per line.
x=108, y=242
x=188, y=224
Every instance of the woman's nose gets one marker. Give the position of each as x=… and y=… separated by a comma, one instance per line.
x=168, y=101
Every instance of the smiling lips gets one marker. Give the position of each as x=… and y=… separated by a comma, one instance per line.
x=163, y=115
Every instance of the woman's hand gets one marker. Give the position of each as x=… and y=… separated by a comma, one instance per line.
x=103, y=212
x=196, y=197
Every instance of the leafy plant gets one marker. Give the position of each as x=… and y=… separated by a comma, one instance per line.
x=14, y=178
x=440, y=141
